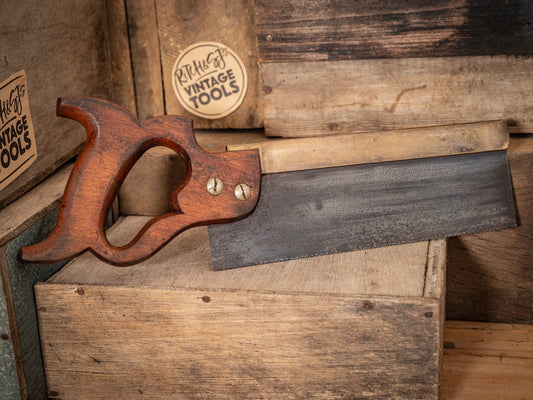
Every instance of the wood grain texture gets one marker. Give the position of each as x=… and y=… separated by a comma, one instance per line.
x=148, y=186
x=186, y=263
x=230, y=22
x=298, y=30
x=122, y=87
x=319, y=98
x=330, y=210
x=165, y=343
x=487, y=361
x=489, y=274
x=172, y=327
x=64, y=52
x=286, y=155
x=115, y=140
x=145, y=57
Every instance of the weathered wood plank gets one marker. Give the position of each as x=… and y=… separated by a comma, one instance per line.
x=26, y=220
x=230, y=22
x=122, y=88
x=301, y=30
x=64, y=52
x=146, y=59
x=186, y=263
x=204, y=344
x=489, y=274
x=319, y=98
x=487, y=361
x=286, y=155
x=330, y=210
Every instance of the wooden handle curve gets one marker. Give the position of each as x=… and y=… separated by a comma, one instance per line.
x=115, y=141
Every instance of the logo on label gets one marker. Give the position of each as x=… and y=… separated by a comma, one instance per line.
x=17, y=139
x=209, y=80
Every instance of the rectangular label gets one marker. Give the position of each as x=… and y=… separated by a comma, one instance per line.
x=18, y=149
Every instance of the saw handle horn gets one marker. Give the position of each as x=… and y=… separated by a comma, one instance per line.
x=115, y=141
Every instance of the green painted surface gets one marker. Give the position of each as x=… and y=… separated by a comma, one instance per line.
x=8, y=377
x=22, y=278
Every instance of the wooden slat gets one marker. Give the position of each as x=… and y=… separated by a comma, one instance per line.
x=330, y=210
x=319, y=98
x=230, y=22
x=185, y=263
x=145, y=56
x=487, y=361
x=123, y=92
x=203, y=344
x=333, y=151
x=64, y=52
x=301, y=30
x=489, y=274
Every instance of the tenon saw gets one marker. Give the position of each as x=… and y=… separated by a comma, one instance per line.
x=288, y=198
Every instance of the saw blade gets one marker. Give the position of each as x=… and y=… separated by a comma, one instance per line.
x=332, y=210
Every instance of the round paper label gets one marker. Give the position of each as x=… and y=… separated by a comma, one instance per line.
x=209, y=80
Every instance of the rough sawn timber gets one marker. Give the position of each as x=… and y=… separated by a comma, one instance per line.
x=332, y=97
x=172, y=327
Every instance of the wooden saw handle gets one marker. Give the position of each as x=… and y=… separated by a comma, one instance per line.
x=115, y=141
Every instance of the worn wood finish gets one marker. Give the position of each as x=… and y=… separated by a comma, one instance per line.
x=64, y=52
x=115, y=141
x=24, y=221
x=365, y=324
x=301, y=30
x=339, y=150
x=122, y=87
x=489, y=274
x=148, y=186
x=230, y=22
x=319, y=98
x=314, y=212
x=145, y=57
x=487, y=361
x=186, y=263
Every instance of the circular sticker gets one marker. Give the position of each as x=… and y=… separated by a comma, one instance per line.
x=209, y=80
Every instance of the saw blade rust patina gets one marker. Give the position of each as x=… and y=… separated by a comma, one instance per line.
x=333, y=210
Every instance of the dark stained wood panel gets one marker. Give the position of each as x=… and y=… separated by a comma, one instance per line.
x=334, y=210
x=299, y=30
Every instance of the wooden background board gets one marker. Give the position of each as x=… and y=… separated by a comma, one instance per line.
x=301, y=30
x=64, y=51
x=489, y=274
x=183, y=23
x=332, y=97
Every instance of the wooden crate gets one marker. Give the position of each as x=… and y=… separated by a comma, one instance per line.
x=365, y=324
x=25, y=221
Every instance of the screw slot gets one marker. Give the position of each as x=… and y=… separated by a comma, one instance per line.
x=214, y=186
x=243, y=191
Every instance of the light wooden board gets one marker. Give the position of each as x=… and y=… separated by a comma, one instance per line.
x=145, y=57
x=64, y=53
x=489, y=274
x=332, y=97
x=487, y=361
x=303, y=30
x=286, y=155
x=230, y=22
x=99, y=341
x=186, y=263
